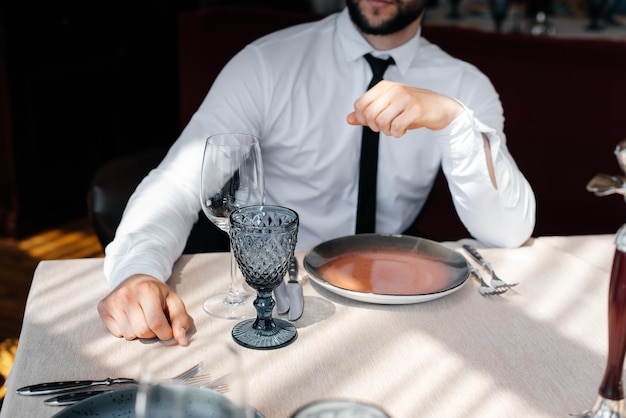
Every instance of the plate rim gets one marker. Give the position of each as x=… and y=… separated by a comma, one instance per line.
x=378, y=298
x=71, y=410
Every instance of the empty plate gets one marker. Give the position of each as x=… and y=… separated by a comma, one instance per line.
x=386, y=269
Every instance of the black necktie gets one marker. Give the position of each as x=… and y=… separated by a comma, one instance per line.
x=366, y=209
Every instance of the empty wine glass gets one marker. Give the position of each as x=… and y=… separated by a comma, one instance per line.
x=263, y=239
x=232, y=177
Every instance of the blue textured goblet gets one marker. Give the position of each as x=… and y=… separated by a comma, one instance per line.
x=263, y=239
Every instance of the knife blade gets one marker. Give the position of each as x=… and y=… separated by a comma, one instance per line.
x=294, y=291
x=72, y=398
x=65, y=386
x=476, y=255
x=282, y=299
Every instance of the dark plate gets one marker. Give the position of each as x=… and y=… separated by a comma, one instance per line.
x=386, y=269
x=121, y=403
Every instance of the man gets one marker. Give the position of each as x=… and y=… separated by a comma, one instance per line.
x=295, y=90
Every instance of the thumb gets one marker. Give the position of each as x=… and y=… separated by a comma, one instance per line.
x=351, y=119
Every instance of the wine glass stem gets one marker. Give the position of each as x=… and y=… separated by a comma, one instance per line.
x=236, y=292
x=611, y=386
x=264, y=305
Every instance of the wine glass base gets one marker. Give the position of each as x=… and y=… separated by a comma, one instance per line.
x=283, y=334
x=218, y=306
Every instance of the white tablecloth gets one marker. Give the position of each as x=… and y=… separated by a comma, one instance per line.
x=538, y=350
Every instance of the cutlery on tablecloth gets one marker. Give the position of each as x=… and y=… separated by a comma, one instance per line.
x=74, y=397
x=202, y=381
x=67, y=386
x=282, y=298
x=495, y=280
x=484, y=288
x=294, y=291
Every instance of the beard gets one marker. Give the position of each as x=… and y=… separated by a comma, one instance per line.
x=407, y=14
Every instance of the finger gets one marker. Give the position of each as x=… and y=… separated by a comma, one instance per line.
x=400, y=124
x=115, y=319
x=151, y=319
x=362, y=104
x=352, y=120
x=379, y=115
x=109, y=321
x=394, y=120
x=180, y=319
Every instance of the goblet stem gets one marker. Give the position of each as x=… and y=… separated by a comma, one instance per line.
x=264, y=305
x=264, y=332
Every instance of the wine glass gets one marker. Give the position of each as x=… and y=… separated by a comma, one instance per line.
x=232, y=177
x=595, y=11
x=263, y=239
x=499, y=11
x=219, y=391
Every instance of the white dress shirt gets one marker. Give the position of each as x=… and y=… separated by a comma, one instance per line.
x=293, y=89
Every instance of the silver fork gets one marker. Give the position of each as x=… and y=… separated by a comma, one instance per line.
x=187, y=374
x=484, y=288
x=495, y=280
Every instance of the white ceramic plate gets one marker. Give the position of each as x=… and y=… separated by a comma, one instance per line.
x=386, y=269
x=121, y=403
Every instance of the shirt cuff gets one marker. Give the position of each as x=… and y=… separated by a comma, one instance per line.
x=125, y=257
x=463, y=136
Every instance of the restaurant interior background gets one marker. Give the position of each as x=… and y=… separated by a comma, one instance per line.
x=82, y=83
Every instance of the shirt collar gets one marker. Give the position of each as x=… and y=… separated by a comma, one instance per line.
x=354, y=45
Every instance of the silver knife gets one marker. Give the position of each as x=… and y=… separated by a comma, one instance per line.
x=282, y=299
x=66, y=386
x=495, y=280
x=72, y=398
x=294, y=291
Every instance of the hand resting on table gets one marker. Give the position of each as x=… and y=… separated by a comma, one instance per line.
x=144, y=307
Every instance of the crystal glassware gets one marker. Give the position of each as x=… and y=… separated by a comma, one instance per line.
x=263, y=239
x=232, y=177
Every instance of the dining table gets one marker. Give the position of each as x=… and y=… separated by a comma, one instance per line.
x=537, y=350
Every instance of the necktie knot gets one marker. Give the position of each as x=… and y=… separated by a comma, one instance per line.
x=379, y=66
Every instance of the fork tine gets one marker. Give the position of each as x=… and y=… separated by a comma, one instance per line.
x=484, y=288
x=223, y=388
x=219, y=385
x=200, y=380
x=187, y=374
x=498, y=282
